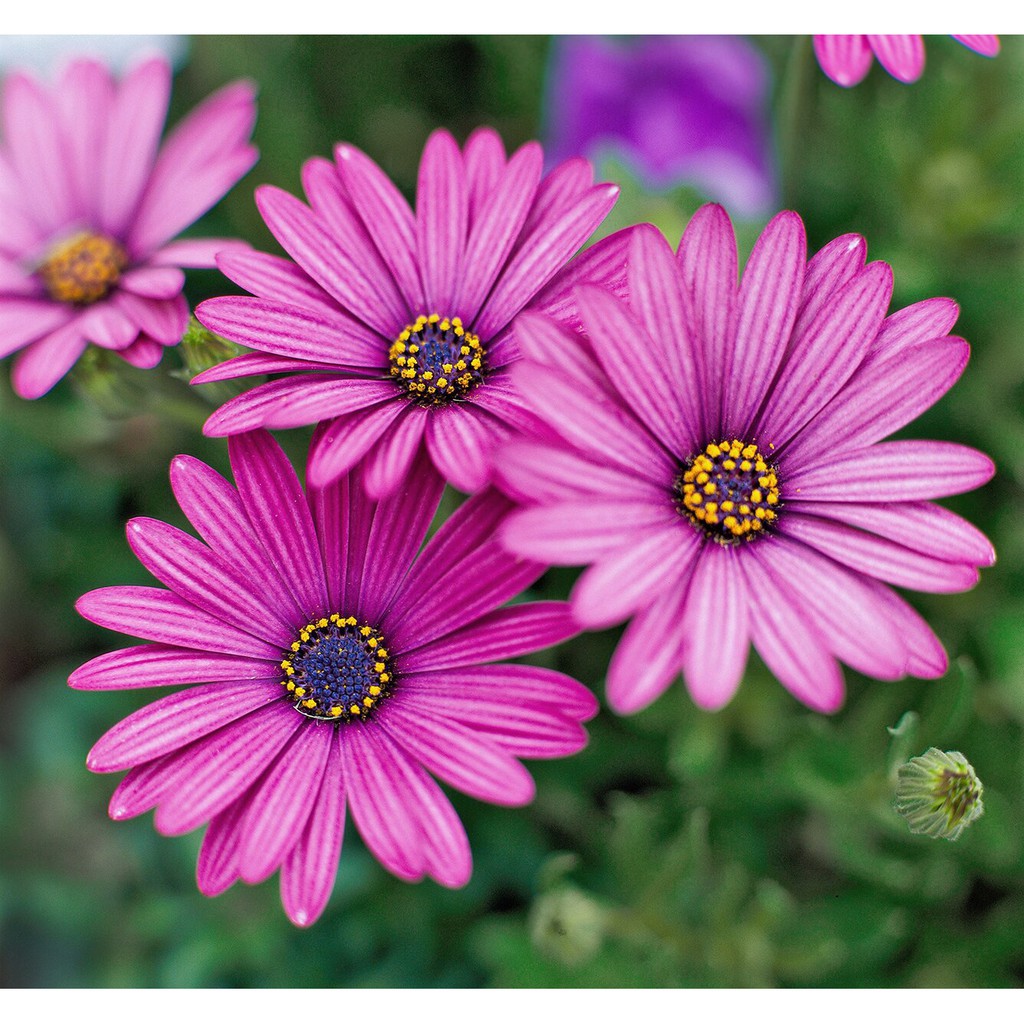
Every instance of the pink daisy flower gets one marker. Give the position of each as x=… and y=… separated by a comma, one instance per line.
x=90, y=201
x=847, y=59
x=393, y=324
x=331, y=667
x=715, y=456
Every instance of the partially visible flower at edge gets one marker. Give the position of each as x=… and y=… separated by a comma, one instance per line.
x=715, y=459
x=391, y=324
x=332, y=664
x=90, y=202
x=846, y=59
x=938, y=794
x=678, y=109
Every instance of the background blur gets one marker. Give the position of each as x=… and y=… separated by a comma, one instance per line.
x=752, y=847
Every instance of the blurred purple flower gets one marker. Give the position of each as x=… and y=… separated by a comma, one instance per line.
x=678, y=109
x=90, y=202
x=847, y=59
x=331, y=663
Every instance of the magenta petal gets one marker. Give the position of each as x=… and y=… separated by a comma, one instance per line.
x=828, y=270
x=387, y=464
x=45, y=362
x=883, y=395
x=522, y=729
x=575, y=532
x=207, y=580
x=928, y=320
x=297, y=401
x=657, y=391
x=458, y=755
x=347, y=439
x=650, y=654
x=276, y=506
x=286, y=330
x=926, y=657
x=768, y=302
x=106, y=325
x=623, y=581
x=484, y=154
x=716, y=618
x=676, y=374
x=274, y=278
x=142, y=788
x=278, y=807
x=136, y=120
x=252, y=364
x=154, y=614
x=532, y=471
x=386, y=216
x=310, y=868
x=297, y=229
x=894, y=470
x=379, y=808
x=24, y=319
x=878, y=557
x=212, y=772
x=505, y=633
x=175, y=721
x=196, y=252
x=987, y=46
x=540, y=255
x=442, y=839
x=217, y=864
x=153, y=282
x=143, y=352
x=442, y=218
x=514, y=685
x=789, y=647
x=922, y=526
x=159, y=665
x=845, y=59
x=592, y=421
x=338, y=217
x=823, y=358
x=495, y=227
x=840, y=604
x=461, y=440
x=901, y=56
x=163, y=319
x=215, y=510
x=707, y=256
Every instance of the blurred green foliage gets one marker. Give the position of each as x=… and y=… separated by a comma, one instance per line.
x=753, y=847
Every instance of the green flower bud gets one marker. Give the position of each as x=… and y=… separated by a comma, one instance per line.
x=938, y=794
x=567, y=925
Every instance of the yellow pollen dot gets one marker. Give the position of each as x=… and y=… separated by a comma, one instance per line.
x=379, y=666
x=321, y=623
x=729, y=464
x=355, y=709
x=368, y=702
x=374, y=691
x=335, y=711
x=384, y=678
x=300, y=691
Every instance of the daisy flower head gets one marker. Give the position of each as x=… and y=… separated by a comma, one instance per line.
x=392, y=324
x=847, y=59
x=715, y=456
x=332, y=665
x=90, y=203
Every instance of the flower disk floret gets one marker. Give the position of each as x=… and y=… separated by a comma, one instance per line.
x=332, y=665
x=392, y=325
x=90, y=202
x=714, y=454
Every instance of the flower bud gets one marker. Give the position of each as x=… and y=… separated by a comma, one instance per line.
x=938, y=794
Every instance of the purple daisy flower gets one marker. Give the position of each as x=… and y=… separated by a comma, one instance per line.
x=678, y=109
x=715, y=454
x=331, y=668
x=90, y=201
x=847, y=59
x=393, y=324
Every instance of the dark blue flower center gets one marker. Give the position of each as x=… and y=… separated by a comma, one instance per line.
x=436, y=360
x=337, y=670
